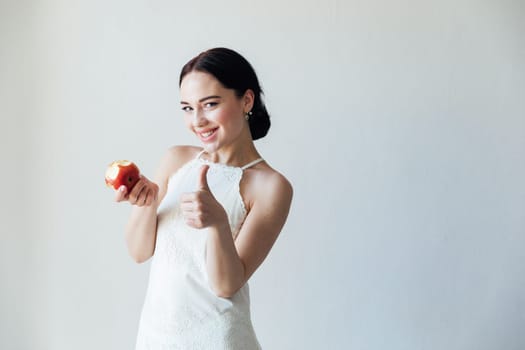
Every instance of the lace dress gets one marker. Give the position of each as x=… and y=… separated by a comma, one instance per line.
x=180, y=310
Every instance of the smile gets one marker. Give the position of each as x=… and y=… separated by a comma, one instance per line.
x=207, y=134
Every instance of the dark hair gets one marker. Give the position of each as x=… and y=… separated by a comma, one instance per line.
x=234, y=72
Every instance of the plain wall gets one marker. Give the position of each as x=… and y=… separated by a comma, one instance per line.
x=401, y=125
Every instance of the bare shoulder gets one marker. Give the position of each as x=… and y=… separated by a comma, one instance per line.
x=183, y=153
x=174, y=158
x=274, y=182
x=266, y=185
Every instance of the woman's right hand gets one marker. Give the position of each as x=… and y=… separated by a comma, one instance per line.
x=144, y=193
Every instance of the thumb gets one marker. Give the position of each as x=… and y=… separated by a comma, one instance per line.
x=202, y=184
x=121, y=193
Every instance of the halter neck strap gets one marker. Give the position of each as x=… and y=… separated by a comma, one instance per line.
x=200, y=154
x=257, y=161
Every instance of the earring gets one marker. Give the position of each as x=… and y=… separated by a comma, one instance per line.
x=248, y=115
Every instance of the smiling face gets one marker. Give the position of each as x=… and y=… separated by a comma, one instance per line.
x=214, y=113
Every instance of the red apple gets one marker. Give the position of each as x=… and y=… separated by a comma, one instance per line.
x=122, y=172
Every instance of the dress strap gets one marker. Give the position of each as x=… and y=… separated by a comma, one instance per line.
x=200, y=154
x=257, y=161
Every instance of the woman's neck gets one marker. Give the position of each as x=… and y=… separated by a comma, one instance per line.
x=234, y=156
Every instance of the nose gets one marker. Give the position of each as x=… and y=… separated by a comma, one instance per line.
x=198, y=118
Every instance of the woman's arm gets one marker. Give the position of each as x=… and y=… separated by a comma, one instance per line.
x=146, y=195
x=231, y=263
x=141, y=230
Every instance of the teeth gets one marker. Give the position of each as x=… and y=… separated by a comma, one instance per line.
x=208, y=133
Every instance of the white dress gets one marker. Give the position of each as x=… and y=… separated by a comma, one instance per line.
x=180, y=310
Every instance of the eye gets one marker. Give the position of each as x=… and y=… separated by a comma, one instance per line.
x=187, y=108
x=210, y=105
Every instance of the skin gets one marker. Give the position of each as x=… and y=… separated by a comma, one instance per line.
x=210, y=107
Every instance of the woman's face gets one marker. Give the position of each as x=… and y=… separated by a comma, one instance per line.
x=211, y=111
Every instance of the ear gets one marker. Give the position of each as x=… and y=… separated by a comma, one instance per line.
x=248, y=100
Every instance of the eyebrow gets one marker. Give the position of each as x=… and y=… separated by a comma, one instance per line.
x=201, y=100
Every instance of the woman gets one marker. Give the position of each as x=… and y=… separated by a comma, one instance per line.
x=212, y=214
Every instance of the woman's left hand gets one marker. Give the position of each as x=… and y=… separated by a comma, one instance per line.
x=200, y=209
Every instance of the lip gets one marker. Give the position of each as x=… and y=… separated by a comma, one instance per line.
x=209, y=137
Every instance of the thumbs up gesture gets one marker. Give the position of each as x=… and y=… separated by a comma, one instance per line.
x=202, y=184
x=200, y=209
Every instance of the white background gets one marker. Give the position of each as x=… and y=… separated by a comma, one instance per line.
x=401, y=125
